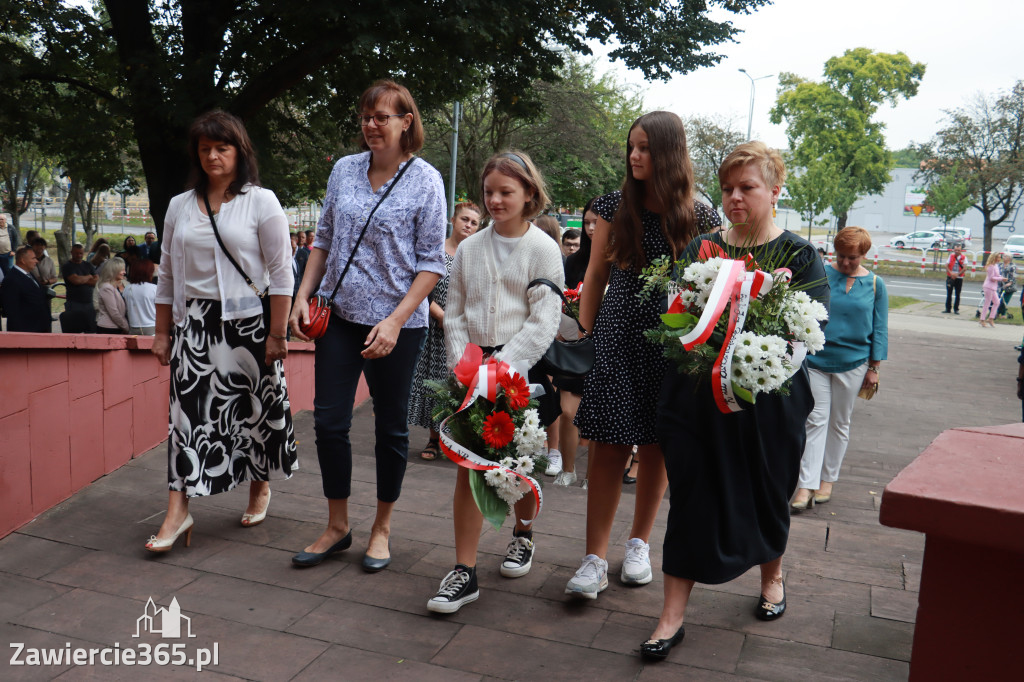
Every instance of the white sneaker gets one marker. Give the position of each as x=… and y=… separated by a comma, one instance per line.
x=565, y=478
x=636, y=567
x=591, y=578
x=554, y=462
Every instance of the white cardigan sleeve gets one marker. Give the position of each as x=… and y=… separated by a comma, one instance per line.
x=456, y=327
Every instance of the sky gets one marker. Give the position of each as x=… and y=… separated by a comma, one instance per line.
x=967, y=47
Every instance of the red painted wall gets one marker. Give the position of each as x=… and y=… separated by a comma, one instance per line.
x=74, y=407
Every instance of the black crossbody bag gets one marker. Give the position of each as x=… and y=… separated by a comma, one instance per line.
x=264, y=295
x=567, y=358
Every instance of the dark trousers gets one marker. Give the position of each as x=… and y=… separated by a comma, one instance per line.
x=338, y=366
x=953, y=284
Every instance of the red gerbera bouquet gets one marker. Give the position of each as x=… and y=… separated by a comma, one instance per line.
x=573, y=297
x=490, y=425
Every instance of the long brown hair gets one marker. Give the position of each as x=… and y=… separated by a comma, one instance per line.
x=220, y=126
x=671, y=184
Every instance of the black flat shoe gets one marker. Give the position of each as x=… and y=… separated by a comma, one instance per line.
x=314, y=558
x=767, y=610
x=657, y=649
x=372, y=565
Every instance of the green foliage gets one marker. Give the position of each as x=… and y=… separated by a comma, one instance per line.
x=981, y=147
x=950, y=197
x=710, y=139
x=812, y=189
x=575, y=133
x=293, y=70
x=908, y=157
x=492, y=507
x=831, y=121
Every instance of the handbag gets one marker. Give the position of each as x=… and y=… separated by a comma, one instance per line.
x=867, y=393
x=264, y=295
x=320, y=306
x=567, y=358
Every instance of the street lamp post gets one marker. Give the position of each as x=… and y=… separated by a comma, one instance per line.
x=750, y=114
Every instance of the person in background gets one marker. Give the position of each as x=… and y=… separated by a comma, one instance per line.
x=551, y=226
x=1007, y=288
x=150, y=248
x=955, y=269
x=101, y=256
x=990, y=304
x=570, y=389
x=570, y=242
x=45, y=271
x=23, y=300
x=6, y=246
x=433, y=362
x=80, y=278
x=1020, y=372
x=300, y=255
x=102, y=241
x=30, y=236
x=309, y=241
x=107, y=299
x=856, y=343
x=140, y=298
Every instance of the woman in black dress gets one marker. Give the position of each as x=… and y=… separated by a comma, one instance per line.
x=654, y=215
x=731, y=475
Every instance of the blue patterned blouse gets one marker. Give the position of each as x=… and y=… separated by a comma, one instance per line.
x=406, y=236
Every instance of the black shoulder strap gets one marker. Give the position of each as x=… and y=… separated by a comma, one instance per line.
x=366, y=224
x=554, y=287
x=216, y=233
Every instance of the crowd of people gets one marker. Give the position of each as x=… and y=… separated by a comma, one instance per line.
x=407, y=289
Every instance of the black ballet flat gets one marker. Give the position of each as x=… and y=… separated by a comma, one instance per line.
x=657, y=649
x=314, y=558
x=373, y=565
x=767, y=610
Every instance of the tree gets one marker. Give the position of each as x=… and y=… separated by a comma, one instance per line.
x=23, y=171
x=949, y=197
x=575, y=134
x=813, y=190
x=832, y=121
x=982, y=146
x=293, y=70
x=710, y=139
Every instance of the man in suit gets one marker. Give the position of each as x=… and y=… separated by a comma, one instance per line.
x=24, y=301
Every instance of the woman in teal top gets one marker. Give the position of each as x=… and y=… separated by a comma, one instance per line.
x=856, y=342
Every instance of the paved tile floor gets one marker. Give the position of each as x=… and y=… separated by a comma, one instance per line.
x=78, y=577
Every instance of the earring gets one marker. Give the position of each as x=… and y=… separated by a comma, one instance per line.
x=773, y=210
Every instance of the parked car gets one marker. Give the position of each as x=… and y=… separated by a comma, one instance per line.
x=952, y=234
x=1015, y=246
x=923, y=239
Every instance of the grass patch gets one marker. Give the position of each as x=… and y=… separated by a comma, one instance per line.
x=901, y=301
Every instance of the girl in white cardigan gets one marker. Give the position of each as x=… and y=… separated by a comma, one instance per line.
x=489, y=305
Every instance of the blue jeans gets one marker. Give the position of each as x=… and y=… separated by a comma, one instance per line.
x=338, y=366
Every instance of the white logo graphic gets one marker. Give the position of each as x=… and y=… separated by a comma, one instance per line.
x=165, y=622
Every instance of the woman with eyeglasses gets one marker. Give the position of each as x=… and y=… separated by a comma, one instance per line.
x=379, y=316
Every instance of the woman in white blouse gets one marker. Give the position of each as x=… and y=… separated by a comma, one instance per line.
x=140, y=298
x=230, y=420
x=107, y=299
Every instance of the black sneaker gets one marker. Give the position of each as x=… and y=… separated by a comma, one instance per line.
x=518, y=558
x=945, y=312
x=457, y=588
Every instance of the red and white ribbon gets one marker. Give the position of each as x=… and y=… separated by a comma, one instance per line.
x=483, y=382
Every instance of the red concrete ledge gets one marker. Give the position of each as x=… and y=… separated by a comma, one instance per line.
x=74, y=407
x=965, y=492
x=968, y=485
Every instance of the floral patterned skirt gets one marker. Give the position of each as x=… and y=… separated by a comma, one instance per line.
x=230, y=419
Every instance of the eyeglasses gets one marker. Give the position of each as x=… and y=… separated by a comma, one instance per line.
x=380, y=119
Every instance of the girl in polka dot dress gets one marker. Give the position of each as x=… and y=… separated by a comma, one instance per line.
x=654, y=215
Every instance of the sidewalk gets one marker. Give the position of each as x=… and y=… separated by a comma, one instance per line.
x=78, y=576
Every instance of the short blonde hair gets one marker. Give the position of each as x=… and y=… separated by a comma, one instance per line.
x=767, y=160
x=852, y=239
x=519, y=166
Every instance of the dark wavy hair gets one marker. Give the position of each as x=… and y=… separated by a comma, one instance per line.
x=576, y=263
x=671, y=186
x=220, y=126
